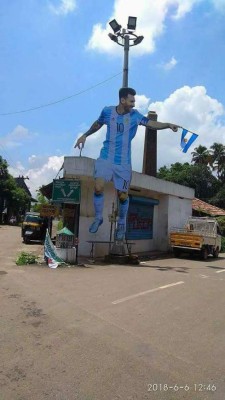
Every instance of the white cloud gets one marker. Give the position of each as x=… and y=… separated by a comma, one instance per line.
x=39, y=174
x=141, y=103
x=93, y=143
x=17, y=169
x=192, y=108
x=64, y=7
x=151, y=16
x=32, y=159
x=16, y=137
x=37, y=161
x=169, y=65
x=183, y=7
x=45, y=174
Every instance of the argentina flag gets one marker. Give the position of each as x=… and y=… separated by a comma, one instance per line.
x=187, y=138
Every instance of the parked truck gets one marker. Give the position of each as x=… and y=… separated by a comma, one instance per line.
x=199, y=235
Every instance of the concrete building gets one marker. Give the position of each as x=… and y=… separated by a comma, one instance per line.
x=155, y=207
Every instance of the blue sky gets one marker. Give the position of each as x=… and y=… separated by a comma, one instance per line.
x=53, y=49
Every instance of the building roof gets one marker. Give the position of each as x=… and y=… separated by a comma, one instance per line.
x=206, y=208
x=47, y=190
x=20, y=181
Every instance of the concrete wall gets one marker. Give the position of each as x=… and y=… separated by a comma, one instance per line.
x=161, y=239
x=175, y=205
x=179, y=211
x=173, y=212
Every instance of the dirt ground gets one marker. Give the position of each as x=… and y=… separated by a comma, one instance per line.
x=107, y=332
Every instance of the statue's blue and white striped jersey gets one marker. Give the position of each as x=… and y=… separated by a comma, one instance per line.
x=121, y=129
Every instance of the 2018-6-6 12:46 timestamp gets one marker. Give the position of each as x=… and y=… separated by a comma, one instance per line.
x=196, y=387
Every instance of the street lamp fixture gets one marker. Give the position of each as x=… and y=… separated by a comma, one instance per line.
x=115, y=26
x=125, y=38
x=114, y=38
x=138, y=40
x=132, y=21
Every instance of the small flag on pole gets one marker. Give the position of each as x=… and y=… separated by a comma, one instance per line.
x=187, y=138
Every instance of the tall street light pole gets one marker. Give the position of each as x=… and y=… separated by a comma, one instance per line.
x=125, y=38
x=125, y=61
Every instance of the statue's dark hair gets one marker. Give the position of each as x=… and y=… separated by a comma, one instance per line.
x=123, y=92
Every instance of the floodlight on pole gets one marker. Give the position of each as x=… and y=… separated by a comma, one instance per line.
x=115, y=26
x=138, y=40
x=132, y=21
x=113, y=37
x=125, y=38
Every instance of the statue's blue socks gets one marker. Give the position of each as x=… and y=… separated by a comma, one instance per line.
x=98, y=205
x=123, y=209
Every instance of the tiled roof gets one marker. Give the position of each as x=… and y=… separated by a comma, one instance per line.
x=202, y=206
x=21, y=184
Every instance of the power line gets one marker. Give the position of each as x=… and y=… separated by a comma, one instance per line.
x=10, y=161
x=61, y=100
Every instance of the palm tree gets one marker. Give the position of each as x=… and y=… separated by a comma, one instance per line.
x=201, y=155
x=218, y=158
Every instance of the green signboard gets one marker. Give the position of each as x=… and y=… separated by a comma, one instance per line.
x=66, y=191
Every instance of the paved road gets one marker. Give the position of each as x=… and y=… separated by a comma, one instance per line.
x=105, y=332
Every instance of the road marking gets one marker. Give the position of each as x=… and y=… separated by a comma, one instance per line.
x=222, y=270
x=204, y=276
x=146, y=292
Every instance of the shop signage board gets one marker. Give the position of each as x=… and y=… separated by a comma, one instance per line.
x=49, y=210
x=66, y=191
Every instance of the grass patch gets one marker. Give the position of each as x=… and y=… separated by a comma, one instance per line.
x=26, y=258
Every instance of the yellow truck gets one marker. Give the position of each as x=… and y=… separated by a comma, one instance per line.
x=199, y=235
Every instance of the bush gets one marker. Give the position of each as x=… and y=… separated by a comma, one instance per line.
x=26, y=258
x=222, y=244
x=221, y=222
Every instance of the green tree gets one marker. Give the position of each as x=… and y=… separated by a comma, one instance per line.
x=11, y=196
x=218, y=199
x=221, y=222
x=201, y=155
x=218, y=159
x=19, y=200
x=3, y=168
x=40, y=201
x=199, y=177
x=3, y=177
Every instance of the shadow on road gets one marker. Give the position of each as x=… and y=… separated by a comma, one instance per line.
x=183, y=270
x=215, y=267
